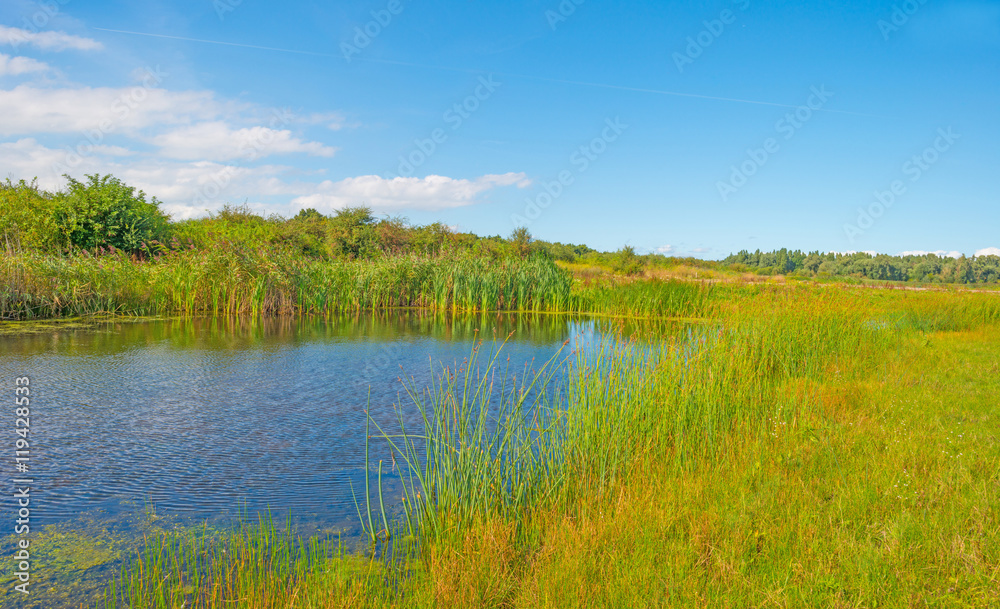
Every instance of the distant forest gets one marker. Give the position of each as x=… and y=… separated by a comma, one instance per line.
x=926, y=268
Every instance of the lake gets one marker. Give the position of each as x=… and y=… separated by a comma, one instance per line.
x=140, y=423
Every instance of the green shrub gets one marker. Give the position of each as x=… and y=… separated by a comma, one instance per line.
x=26, y=217
x=626, y=262
x=353, y=234
x=104, y=212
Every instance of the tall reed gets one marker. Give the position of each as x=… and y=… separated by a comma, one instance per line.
x=239, y=280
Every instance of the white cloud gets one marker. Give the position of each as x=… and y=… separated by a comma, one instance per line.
x=938, y=253
x=27, y=159
x=12, y=66
x=988, y=251
x=849, y=252
x=186, y=188
x=334, y=121
x=701, y=250
x=665, y=249
x=218, y=141
x=29, y=110
x=189, y=122
x=49, y=41
x=431, y=193
x=189, y=188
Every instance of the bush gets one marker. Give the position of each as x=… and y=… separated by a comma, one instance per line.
x=106, y=212
x=352, y=233
x=26, y=217
x=626, y=262
x=520, y=242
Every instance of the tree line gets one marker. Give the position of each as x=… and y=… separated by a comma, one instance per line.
x=929, y=268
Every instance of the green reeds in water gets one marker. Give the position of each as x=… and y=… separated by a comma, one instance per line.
x=488, y=446
x=241, y=280
x=258, y=565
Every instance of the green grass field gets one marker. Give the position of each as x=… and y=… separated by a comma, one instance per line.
x=808, y=446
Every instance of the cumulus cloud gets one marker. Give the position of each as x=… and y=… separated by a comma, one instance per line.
x=190, y=188
x=29, y=110
x=186, y=188
x=185, y=125
x=430, y=193
x=218, y=141
x=988, y=251
x=938, y=253
x=28, y=159
x=665, y=249
x=13, y=66
x=48, y=41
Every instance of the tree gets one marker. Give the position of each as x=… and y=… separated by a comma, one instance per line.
x=26, y=216
x=104, y=212
x=520, y=241
x=352, y=233
x=308, y=214
x=306, y=232
x=626, y=262
x=394, y=235
x=430, y=239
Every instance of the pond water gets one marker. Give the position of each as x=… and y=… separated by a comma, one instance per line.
x=215, y=419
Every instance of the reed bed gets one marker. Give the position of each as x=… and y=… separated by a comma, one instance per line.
x=237, y=280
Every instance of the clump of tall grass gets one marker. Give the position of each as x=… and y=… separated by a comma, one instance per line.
x=488, y=446
x=245, y=280
x=258, y=565
x=651, y=298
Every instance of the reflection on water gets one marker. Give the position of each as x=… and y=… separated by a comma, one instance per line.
x=208, y=418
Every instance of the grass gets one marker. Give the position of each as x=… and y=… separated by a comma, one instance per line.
x=806, y=446
x=238, y=280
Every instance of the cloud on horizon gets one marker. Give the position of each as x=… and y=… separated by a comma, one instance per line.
x=938, y=253
x=430, y=193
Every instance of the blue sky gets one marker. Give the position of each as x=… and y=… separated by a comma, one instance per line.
x=685, y=128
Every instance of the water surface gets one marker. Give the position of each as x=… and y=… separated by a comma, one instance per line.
x=212, y=419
